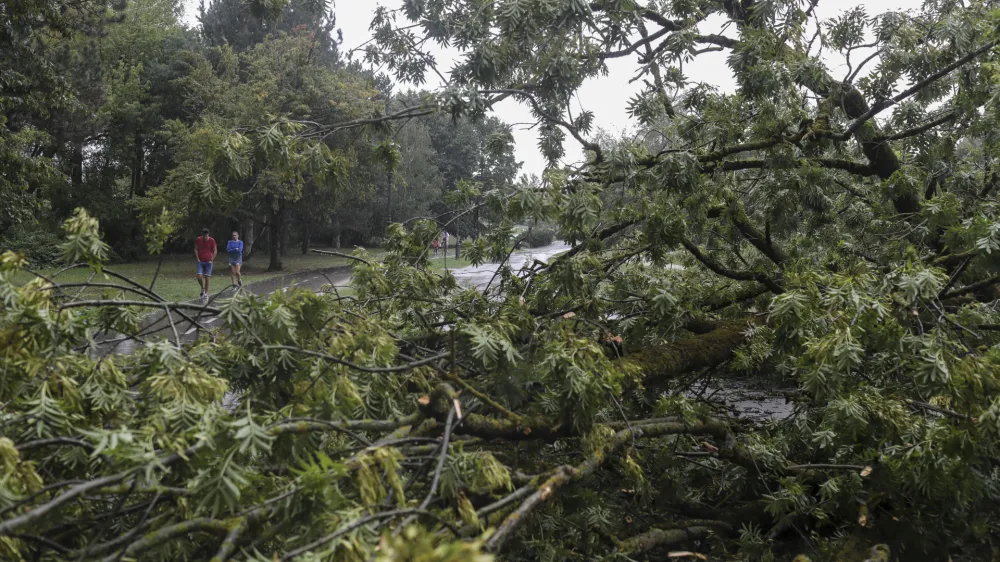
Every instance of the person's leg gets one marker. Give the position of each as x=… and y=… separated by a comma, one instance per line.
x=208, y=275
x=232, y=273
x=201, y=279
x=239, y=274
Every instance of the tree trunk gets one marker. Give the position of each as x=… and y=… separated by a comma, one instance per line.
x=335, y=239
x=282, y=232
x=388, y=205
x=274, y=229
x=76, y=160
x=137, y=167
x=688, y=354
x=248, y=236
x=306, y=237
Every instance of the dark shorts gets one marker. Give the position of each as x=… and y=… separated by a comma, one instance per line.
x=235, y=261
x=205, y=268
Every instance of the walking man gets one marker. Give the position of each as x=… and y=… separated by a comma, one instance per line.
x=204, y=251
x=235, y=250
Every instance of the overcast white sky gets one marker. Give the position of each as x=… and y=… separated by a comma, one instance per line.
x=607, y=96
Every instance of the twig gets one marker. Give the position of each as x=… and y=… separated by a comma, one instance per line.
x=800, y=467
x=360, y=523
x=339, y=254
x=407, y=367
x=305, y=424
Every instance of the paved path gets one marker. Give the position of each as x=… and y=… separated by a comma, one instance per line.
x=749, y=401
x=158, y=325
x=479, y=276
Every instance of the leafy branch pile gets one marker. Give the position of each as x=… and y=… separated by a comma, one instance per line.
x=835, y=234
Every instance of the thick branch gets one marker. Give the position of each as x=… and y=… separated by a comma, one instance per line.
x=655, y=538
x=754, y=235
x=724, y=271
x=11, y=525
x=569, y=474
x=921, y=129
x=150, y=540
x=688, y=354
x=882, y=105
x=715, y=304
x=989, y=281
x=362, y=368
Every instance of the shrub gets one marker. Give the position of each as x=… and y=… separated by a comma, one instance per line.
x=540, y=237
x=40, y=246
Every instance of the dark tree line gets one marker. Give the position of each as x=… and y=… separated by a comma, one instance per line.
x=117, y=113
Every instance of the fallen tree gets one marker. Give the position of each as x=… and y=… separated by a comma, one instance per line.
x=826, y=243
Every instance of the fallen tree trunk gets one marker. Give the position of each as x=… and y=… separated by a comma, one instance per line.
x=655, y=538
x=687, y=354
x=654, y=363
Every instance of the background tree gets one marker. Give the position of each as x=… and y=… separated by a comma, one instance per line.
x=242, y=25
x=254, y=147
x=34, y=36
x=834, y=235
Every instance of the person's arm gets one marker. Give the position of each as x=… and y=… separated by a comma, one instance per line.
x=196, y=258
x=215, y=249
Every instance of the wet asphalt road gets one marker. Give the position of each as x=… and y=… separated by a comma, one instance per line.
x=479, y=276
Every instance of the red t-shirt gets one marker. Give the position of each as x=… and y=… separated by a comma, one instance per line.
x=205, y=247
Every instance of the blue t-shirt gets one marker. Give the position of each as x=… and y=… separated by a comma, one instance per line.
x=235, y=248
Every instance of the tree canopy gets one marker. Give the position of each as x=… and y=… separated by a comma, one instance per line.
x=828, y=231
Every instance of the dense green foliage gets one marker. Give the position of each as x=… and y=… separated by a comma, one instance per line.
x=540, y=236
x=128, y=114
x=830, y=234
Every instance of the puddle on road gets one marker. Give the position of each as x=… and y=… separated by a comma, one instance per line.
x=749, y=400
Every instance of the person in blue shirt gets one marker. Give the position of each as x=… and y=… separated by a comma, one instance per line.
x=235, y=250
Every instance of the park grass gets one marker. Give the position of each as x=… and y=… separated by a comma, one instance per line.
x=177, y=282
x=442, y=263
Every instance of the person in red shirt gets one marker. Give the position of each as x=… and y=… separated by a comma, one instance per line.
x=204, y=252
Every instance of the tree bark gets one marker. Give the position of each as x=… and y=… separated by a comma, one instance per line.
x=388, y=206
x=282, y=231
x=306, y=237
x=137, y=166
x=659, y=538
x=335, y=241
x=76, y=161
x=274, y=229
x=249, y=236
x=687, y=354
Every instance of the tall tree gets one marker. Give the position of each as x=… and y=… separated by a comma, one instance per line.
x=242, y=25
x=255, y=149
x=829, y=233
x=34, y=34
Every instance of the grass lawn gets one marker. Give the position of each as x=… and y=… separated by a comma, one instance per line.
x=177, y=282
x=438, y=264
